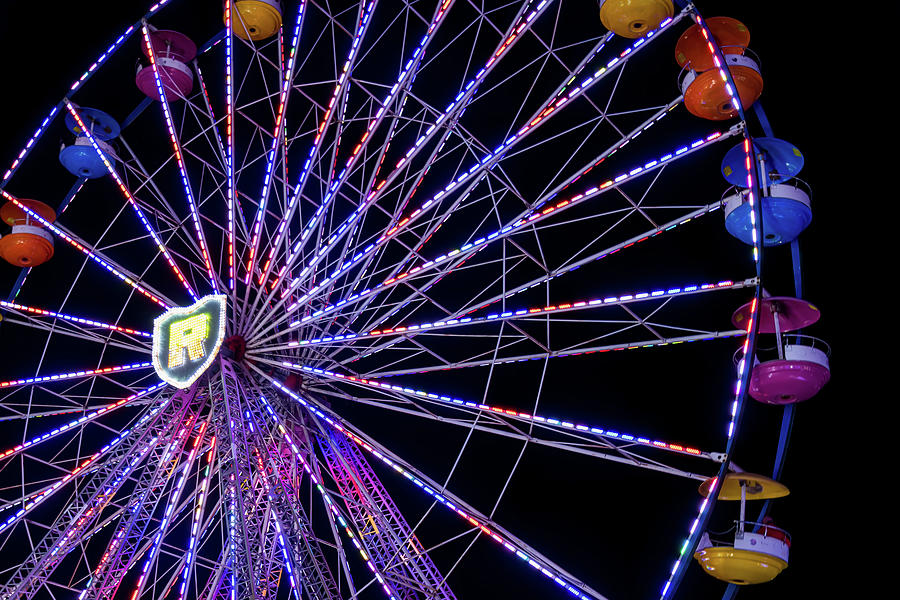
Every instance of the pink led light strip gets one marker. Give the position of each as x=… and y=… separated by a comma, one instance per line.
x=170, y=126
x=86, y=250
x=333, y=511
x=137, y=209
x=564, y=580
x=74, y=374
x=49, y=313
x=199, y=508
x=499, y=234
x=80, y=421
x=549, y=421
x=229, y=135
x=284, y=553
x=278, y=134
x=527, y=312
x=343, y=78
x=167, y=516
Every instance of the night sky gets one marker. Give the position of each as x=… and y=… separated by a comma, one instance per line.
x=43, y=48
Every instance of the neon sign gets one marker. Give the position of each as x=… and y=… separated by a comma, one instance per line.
x=187, y=339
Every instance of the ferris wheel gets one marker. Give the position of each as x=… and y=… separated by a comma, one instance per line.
x=414, y=300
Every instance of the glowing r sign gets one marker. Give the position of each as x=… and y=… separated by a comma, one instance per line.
x=187, y=339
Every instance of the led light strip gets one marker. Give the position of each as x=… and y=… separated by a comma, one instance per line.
x=307, y=166
x=332, y=509
x=209, y=109
x=229, y=137
x=114, y=544
x=232, y=544
x=474, y=246
x=74, y=472
x=499, y=151
x=677, y=570
x=83, y=249
x=509, y=545
x=170, y=125
x=279, y=119
x=578, y=175
x=167, y=516
x=110, y=490
x=200, y=507
x=652, y=343
x=103, y=498
x=75, y=85
x=25, y=271
x=528, y=312
x=61, y=376
x=561, y=423
x=124, y=189
x=262, y=469
x=374, y=193
x=49, y=313
x=88, y=417
x=335, y=182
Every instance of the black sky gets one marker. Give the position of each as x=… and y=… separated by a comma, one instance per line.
x=45, y=46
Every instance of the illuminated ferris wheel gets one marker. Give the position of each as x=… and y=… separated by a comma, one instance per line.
x=324, y=304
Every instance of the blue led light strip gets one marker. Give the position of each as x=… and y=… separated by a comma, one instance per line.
x=86, y=250
x=699, y=523
x=72, y=88
x=343, y=79
x=80, y=421
x=476, y=245
x=137, y=209
x=90, y=322
x=117, y=538
x=552, y=108
x=229, y=137
x=284, y=553
x=335, y=182
x=277, y=136
x=174, y=497
x=525, y=312
x=74, y=374
x=522, y=416
x=564, y=580
x=332, y=512
x=185, y=182
x=83, y=467
x=199, y=508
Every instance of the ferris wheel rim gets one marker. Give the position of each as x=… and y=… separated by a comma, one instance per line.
x=149, y=179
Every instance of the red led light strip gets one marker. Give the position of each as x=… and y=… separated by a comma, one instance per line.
x=49, y=313
x=74, y=374
x=170, y=126
x=87, y=251
x=137, y=209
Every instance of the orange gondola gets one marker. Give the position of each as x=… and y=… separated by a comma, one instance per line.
x=29, y=244
x=692, y=49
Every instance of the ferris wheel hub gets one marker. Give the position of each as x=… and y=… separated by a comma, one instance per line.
x=186, y=340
